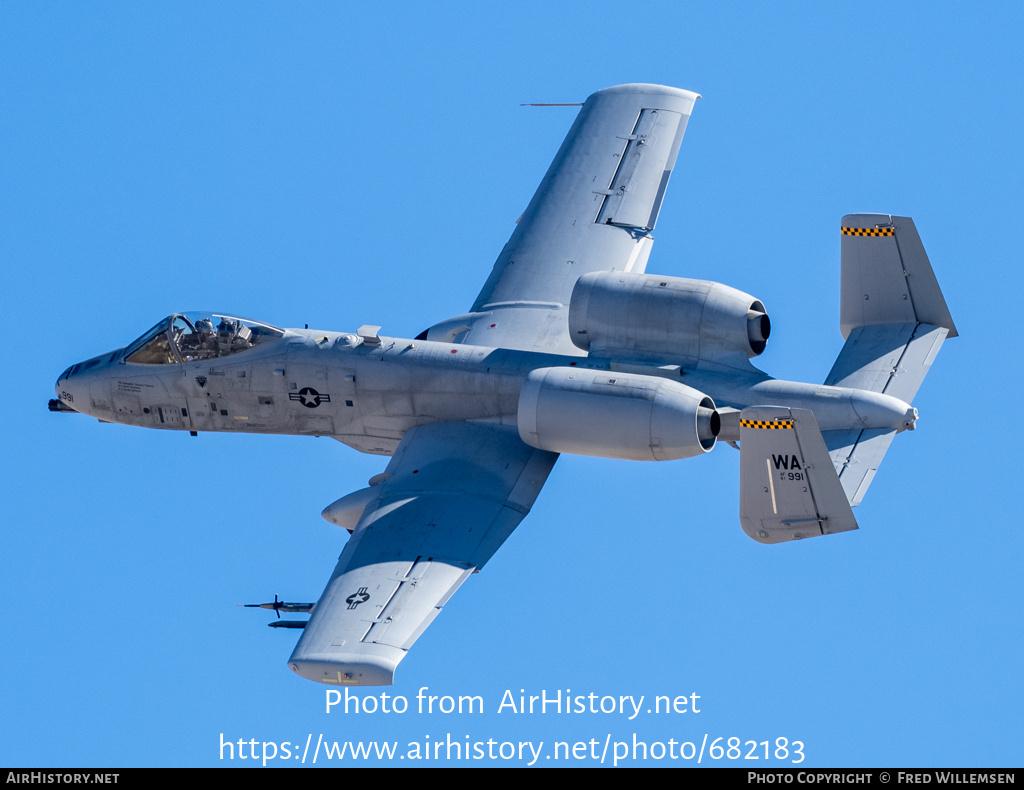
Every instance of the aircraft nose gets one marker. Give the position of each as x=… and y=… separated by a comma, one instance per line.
x=73, y=386
x=85, y=387
x=64, y=390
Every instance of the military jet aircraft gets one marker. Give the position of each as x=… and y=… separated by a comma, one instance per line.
x=570, y=347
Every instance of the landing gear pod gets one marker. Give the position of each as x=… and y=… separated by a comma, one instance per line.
x=615, y=415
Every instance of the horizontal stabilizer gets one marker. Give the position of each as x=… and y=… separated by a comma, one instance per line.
x=788, y=486
x=856, y=456
x=890, y=359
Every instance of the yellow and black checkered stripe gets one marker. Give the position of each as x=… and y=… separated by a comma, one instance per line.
x=869, y=231
x=766, y=425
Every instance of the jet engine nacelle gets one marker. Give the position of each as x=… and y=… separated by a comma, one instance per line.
x=615, y=415
x=650, y=317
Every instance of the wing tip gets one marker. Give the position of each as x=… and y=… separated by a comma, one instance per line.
x=365, y=668
x=647, y=89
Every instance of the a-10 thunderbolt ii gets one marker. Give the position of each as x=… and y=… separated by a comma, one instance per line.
x=569, y=348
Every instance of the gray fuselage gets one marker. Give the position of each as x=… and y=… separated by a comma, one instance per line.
x=368, y=395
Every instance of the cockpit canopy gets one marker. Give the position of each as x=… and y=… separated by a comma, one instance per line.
x=194, y=337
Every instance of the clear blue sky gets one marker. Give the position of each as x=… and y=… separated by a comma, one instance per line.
x=340, y=164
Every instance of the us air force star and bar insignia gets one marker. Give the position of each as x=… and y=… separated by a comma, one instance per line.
x=358, y=597
x=309, y=397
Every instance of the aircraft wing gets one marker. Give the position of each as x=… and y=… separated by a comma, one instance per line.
x=593, y=211
x=453, y=493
